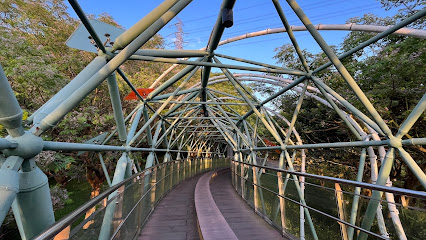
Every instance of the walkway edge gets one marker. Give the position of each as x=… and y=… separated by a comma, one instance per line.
x=212, y=224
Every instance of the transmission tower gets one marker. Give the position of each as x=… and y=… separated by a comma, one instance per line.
x=179, y=34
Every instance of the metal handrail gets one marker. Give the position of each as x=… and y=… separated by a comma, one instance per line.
x=57, y=227
x=314, y=209
x=136, y=204
x=394, y=190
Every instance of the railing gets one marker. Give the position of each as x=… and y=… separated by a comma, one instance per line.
x=274, y=196
x=122, y=210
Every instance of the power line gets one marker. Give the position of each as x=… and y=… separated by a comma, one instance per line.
x=320, y=2
x=262, y=17
x=313, y=18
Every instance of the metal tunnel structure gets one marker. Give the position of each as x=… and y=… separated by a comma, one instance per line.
x=196, y=129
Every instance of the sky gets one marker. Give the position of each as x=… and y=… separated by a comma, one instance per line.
x=199, y=17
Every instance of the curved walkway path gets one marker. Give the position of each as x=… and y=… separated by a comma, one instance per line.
x=242, y=219
x=175, y=216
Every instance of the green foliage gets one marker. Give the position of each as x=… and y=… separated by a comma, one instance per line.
x=61, y=163
x=390, y=72
x=59, y=197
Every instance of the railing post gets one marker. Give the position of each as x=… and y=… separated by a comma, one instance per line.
x=178, y=172
x=118, y=214
x=153, y=186
x=340, y=210
x=241, y=176
x=255, y=189
x=235, y=175
x=139, y=211
x=282, y=201
x=282, y=193
x=184, y=172
x=172, y=175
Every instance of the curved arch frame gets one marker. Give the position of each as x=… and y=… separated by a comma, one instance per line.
x=22, y=146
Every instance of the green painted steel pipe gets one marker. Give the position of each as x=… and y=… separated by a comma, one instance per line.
x=340, y=67
x=250, y=61
x=105, y=170
x=238, y=87
x=290, y=34
x=9, y=184
x=150, y=160
x=226, y=94
x=279, y=93
x=6, y=144
x=64, y=146
x=355, y=202
x=414, y=167
x=107, y=223
x=183, y=92
x=56, y=115
x=349, y=106
x=201, y=102
x=412, y=118
x=376, y=196
x=32, y=207
x=208, y=65
x=172, y=80
x=179, y=112
x=142, y=25
x=339, y=112
x=94, y=66
x=219, y=27
x=171, y=53
x=296, y=112
x=376, y=38
x=301, y=196
x=157, y=112
x=407, y=142
x=174, y=108
x=129, y=167
x=165, y=141
x=10, y=111
x=204, y=80
x=134, y=125
x=383, y=188
x=183, y=131
x=116, y=106
x=148, y=129
x=115, y=130
x=240, y=134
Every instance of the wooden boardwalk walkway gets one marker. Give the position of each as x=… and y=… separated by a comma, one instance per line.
x=175, y=216
x=245, y=223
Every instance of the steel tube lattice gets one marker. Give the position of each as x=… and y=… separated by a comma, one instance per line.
x=194, y=126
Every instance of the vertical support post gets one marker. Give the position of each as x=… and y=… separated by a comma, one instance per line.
x=120, y=171
x=377, y=195
x=116, y=106
x=32, y=207
x=340, y=210
x=302, y=189
x=9, y=184
x=355, y=201
x=239, y=159
x=153, y=186
x=281, y=192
